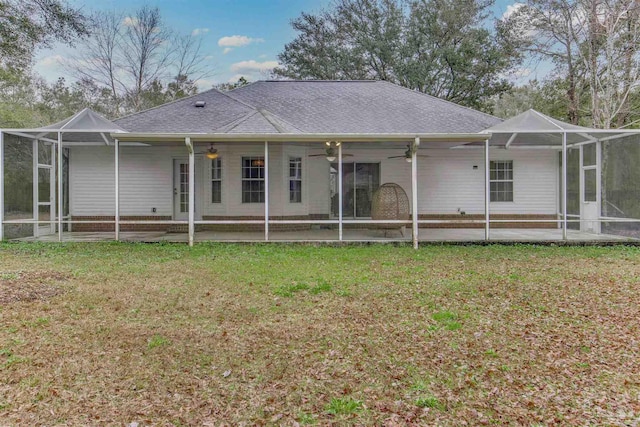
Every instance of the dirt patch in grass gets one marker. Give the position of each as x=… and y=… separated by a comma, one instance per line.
x=29, y=286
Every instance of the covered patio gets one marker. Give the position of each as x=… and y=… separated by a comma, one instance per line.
x=585, y=183
x=350, y=236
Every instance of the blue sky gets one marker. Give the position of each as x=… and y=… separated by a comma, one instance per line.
x=241, y=37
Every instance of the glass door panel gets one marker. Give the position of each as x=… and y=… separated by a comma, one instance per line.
x=573, y=187
x=44, y=185
x=367, y=182
x=359, y=182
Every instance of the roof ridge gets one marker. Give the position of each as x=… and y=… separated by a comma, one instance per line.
x=236, y=99
x=234, y=124
x=439, y=99
x=242, y=87
x=316, y=81
x=277, y=118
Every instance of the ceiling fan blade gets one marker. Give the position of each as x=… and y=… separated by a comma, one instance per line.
x=396, y=157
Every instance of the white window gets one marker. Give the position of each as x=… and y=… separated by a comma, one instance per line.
x=253, y=180
x=295, y=179
x=501, y=181
x=216, y=180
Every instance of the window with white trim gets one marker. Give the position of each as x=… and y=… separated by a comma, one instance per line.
x=295, y=179
x=501, y=181
x=253, y=180
x=216, y=180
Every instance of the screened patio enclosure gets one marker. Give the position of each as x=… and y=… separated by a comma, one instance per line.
x=530, y=178
x=599, y=173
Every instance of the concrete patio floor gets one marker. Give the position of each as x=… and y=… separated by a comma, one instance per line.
x=362, y=235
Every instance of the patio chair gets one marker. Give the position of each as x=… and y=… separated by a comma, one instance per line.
x=390, y=202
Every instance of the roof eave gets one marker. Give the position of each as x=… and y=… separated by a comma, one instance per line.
x=48, y=131
x=567, y=131
x=317, y=137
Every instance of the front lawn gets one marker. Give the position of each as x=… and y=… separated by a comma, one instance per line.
x=113, y=334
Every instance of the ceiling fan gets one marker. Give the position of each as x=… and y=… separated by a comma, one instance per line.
x=331, y=152
x=407, y=155
x=211, y=153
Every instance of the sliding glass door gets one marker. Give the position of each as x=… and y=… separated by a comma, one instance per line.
x=359, y=182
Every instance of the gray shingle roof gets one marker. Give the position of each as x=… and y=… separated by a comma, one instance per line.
x=183, y=116
x=311, y=107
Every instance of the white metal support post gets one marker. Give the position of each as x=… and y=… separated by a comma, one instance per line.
x=599, y=165
x=36, y=197
x=564, y=186
x=266, y=191
x=52, y=192
x=340, y=192
x=487, y=191
x=60, y=186
x=581, y=186
x=414, y=192
x=192, y=195
x=1, y=185
x=117, y=189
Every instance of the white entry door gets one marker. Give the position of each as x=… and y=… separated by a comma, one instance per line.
x=590, y=188
x=180, y=189
x=44, y=188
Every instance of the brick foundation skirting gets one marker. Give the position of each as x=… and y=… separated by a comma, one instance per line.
x=259, y=227
x=460, y=222
x=123, y=227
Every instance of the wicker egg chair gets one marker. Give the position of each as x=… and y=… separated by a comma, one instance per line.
x=390, y=202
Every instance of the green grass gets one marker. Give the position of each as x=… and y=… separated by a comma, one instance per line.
x=344, y=406
x=237, y=334
x=157, y=341
x=430, y=402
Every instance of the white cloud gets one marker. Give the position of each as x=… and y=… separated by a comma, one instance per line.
x=264, y=55
x=511, y=9
x=227, y=50
x=53, y=60
x=58, y=61
x=204, y=84
x=199, y=31
x=130, y=21
x=253, y=66
x=237, y=41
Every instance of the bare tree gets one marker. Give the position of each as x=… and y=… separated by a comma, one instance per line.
x=99, y=59
x=136, y=54
x=595, y=44
x=546, y=30
x=147, y=50
x=611, y=56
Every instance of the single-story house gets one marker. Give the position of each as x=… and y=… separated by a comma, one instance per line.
x=307, y=160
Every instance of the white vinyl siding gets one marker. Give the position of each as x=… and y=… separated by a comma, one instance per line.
x=447, y=180
x=146, y=180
